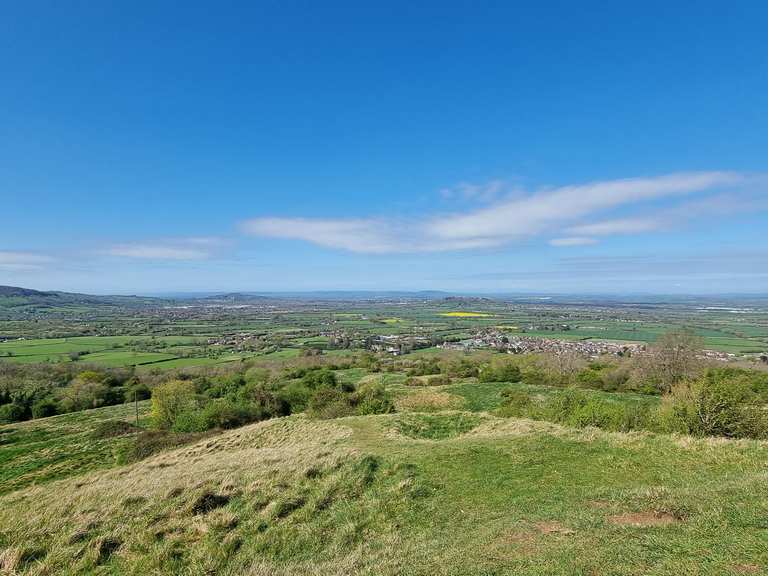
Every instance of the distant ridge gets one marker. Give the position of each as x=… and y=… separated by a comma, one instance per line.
x=28, y=301
x=10, y=291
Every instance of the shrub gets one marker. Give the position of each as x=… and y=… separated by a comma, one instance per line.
x=499, y=372
x=330, y=403
x=597, y=413
x=435, y=380
x=44, y=408
x=136, y=391
x=221, y=385
x=534, y=376
x=190, y=421
x=171, y=399
x=719, y=403
x=265, y=403
x=508, y=372
x=516, y=403
x=461, y=368
x=672, y=358
x=614, y=379
x=10, y=413
x=320, y=378
x=296, y=394
x=560, y=407
x=589, y=378
x=424, y=367
x=257, y=375
x=372, y=398
x=85, y=391
x=226, y=414
x=113, y=429
x=574, y=407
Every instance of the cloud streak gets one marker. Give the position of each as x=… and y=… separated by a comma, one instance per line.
x=562, y=212
x=23, y=261
x=194, y=248
x=572, y=241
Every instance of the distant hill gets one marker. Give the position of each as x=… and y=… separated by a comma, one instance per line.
x=233, y=297
x=8, y=291
x=25, y=300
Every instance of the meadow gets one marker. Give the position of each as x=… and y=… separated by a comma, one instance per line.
x=454, y=492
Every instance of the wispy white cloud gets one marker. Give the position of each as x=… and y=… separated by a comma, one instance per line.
x=23, y=261
x=572, y=241
x=618, y=226
x=513, y=219
x=193, y=248
x=544, y=210
x=670, y=218
x=151, y=252
x=486, y=192
x=369, y=236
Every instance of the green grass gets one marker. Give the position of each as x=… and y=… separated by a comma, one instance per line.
x=486, y=396
x=453, y=494
x=435, y=426
x=126, y=358
x=60, y=446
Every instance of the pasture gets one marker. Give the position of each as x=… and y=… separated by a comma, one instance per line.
x=454, y=493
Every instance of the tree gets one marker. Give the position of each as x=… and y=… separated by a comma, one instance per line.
x=171, y=399
x=43, y=408
x=672, y=358
x=84, y=392
x=10, y=413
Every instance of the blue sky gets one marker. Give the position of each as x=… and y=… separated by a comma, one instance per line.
x=464, y=146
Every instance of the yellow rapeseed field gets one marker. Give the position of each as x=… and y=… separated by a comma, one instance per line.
x=466, y=314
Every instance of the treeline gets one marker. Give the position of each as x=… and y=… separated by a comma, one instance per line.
x=199, y=398
x=727, y=402
x=229, y=400
x=38, y=390
x=185, y=408
x=672, y=359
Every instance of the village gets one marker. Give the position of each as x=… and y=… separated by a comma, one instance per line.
x=496, y=340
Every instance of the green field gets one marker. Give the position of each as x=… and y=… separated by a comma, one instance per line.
x=168, y=344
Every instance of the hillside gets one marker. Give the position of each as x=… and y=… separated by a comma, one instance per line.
x=13, y=291
x=382, y=495
x=34, y=301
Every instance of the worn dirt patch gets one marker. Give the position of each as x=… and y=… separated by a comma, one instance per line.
x=643, y=519
x=512, y=543
x=553, y=527
x=208, y=501
x=747, y=569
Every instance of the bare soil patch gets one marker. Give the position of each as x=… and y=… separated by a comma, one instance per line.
x=553, y=527
x=747, y=569
x=643, y=519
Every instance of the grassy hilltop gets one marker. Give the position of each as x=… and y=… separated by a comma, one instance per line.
x=451, y=491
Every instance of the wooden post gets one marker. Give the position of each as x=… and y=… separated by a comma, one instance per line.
x=136, y=406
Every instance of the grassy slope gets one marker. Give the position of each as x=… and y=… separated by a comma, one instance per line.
x=61, y=446
x=359, y=496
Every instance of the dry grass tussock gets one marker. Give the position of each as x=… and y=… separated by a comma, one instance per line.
x=428, y=401
x=143, y=514
x=495, y=427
